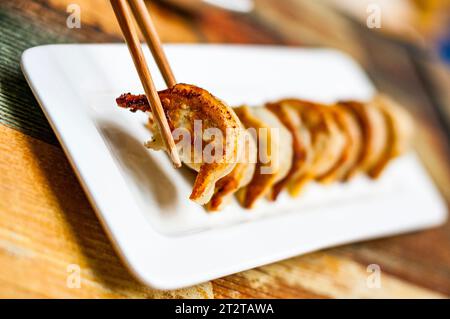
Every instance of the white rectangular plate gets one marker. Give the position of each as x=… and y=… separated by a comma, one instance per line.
x=169, y=242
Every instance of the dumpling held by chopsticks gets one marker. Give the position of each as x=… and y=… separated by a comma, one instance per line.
x=198, y=120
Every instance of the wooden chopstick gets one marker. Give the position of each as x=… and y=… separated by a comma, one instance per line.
x=150, y=34
x=123, y=14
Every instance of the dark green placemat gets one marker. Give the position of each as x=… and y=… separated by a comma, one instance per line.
x=25, y=24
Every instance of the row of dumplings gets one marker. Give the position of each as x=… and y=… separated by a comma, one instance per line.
x=315, y=142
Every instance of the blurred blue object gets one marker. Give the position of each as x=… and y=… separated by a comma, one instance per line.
x=444, y=46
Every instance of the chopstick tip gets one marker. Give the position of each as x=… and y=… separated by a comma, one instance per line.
x=175, y=157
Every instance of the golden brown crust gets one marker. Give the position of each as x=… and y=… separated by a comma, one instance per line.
x=260, y=184
x=349, y=126
x=374, y=134
x=399, y=127
x=301, y=145
x=133, y=102
x=326, y=139
x=227, y=185
x=201, y=105
x=240, y=176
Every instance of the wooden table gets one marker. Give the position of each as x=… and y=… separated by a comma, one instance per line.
x=47, y=224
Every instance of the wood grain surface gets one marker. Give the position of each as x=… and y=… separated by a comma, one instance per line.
x=47, y=225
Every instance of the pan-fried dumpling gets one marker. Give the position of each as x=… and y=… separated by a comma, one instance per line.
x=374, y=133
x=239, y=177
x=400, y=130
x=184, y=106
x=301, y=144
x=348, y=125
x=274, y=152
x=327, y=141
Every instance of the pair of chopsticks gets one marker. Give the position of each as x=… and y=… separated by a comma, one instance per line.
x=142, y=16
